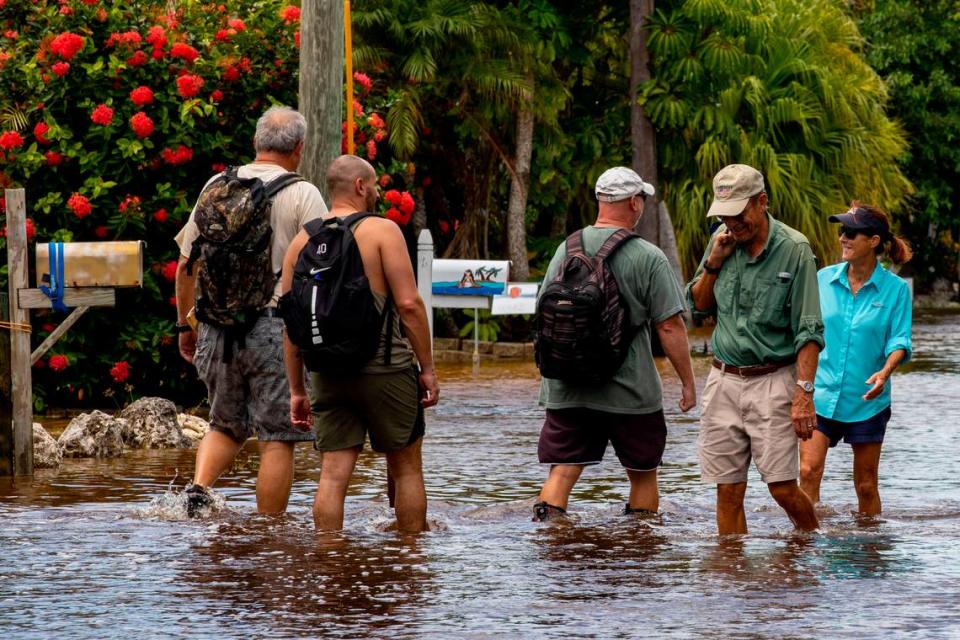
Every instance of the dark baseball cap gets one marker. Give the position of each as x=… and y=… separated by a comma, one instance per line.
x=860, y=219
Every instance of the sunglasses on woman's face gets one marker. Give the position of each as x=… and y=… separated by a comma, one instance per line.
x=849, y=233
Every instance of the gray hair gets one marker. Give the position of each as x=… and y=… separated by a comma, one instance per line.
x=279, y=130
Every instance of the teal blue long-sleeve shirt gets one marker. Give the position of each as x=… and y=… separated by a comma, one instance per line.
x=861, y=332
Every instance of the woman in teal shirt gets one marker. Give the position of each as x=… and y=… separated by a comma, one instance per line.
x=867, y=316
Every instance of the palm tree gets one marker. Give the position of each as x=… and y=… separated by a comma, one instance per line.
x=779, y=85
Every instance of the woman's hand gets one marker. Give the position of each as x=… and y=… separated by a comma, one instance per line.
x=878, y=380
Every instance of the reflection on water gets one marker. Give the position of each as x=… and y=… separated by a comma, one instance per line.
x=101, y=549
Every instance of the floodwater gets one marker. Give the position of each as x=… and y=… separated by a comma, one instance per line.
x=99, y=549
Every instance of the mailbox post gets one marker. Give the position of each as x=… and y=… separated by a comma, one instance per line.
x=91, y=270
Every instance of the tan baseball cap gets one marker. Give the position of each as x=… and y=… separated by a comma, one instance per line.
x=732, y=189
x=620, y=183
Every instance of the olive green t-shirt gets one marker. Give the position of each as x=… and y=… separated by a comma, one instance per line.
x=767, y=307
x=653, y=295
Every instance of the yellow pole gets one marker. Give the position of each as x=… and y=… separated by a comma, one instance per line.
x=348, y=51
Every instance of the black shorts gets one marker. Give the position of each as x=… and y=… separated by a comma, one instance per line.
x=580, y=436
x=866, y=431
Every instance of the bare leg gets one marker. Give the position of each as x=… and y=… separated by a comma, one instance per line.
x=336, y=467
x=275, y=477
x=813, y=455
x=643, y=490
x=796, y=503
x=406, y=468
x=214, y=456
x=556, y=490
x=730, y=515
x=866, y=464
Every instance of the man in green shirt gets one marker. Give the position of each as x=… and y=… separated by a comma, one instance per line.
x=758, y=277
x=626, y=409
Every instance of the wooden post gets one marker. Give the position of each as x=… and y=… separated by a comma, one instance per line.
x=6, y=395
x=21, y=386
x=348, y=63
x=425, y=274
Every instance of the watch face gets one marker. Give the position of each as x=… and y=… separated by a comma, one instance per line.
x=806, y=386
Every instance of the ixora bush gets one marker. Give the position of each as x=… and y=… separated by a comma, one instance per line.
x=112, y=116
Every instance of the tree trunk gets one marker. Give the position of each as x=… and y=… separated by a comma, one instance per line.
x=519, y=186
x=642, y=134
x=655, y=225
x=321, y=86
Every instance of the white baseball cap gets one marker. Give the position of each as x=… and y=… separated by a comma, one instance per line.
x=620, y=183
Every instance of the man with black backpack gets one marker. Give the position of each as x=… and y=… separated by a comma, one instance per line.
x=603, y=290
x=231, y=252
x=354, y=317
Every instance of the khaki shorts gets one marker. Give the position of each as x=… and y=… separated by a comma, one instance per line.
x=384, y=405
x=748, y=417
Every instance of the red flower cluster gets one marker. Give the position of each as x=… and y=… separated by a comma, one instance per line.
x=219, y=167
x=160, y=215
x=130, y=202
x=102, y=115
x=290, y=14
x=182, y=155
x=80, y=205
x=10, y=140
x=371, y=150
x=60, y=68
x=236, y=23
x=53, y=158
x=157, y=37
x=31, y=230
x=184, y=52
x=231, y=74
x=376, y=121
x=139, y=58
x=189, y=85
x=363, y=80
x=141, y=96
x=169, y=271
x=39, y=131
x=223, y=35
x=101, y=232
x=402, y=206
x=141, y=123
x=58, y=362
x=66, y=45
x=120, y=371
x=216, y=95
x=129, y=39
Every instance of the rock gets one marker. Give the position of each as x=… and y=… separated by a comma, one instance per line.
x=446, y=344
x=151, y=423
x=93, y=435
x=508, y=349
x=452, y=356
x=194, y=427
x=46, y=451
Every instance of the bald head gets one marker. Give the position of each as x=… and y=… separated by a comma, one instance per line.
x=343, y=173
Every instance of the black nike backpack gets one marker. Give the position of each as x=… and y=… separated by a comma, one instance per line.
x=330, y=312
x=582, y=325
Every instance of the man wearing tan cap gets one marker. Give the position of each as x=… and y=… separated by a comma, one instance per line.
x=623, y=405
x=758, y=278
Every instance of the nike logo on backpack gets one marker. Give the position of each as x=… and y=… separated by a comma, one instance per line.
x=315, y=271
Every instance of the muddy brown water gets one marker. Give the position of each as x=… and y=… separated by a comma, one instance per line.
x=99, y=548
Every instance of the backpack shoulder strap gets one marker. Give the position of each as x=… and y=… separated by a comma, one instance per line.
x=280, y=183
x=575, y=243
x=614, y=242
x=314, y=226
x=351, y=220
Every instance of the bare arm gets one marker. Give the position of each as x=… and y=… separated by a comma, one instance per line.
x=673, y=337
x=802, y=411
x=292, y=358
x=398, y=271
x=879, y=379
x=185, y=286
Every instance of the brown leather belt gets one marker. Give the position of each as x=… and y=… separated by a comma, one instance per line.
x=752, y=370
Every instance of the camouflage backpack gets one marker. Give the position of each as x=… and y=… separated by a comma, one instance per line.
x=236, y=278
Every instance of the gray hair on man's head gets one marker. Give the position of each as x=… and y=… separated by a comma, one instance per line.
x=279, y=130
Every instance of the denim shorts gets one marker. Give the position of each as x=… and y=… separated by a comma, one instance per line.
x=862, y=432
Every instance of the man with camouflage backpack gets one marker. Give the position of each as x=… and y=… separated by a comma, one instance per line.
x=603, y=289
x=231, y=254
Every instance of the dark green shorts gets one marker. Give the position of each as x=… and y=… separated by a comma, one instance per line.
x=384, y=405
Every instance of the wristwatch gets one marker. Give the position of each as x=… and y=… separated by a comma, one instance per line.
x=183, y=328
x=806, y=385
x=714, y=270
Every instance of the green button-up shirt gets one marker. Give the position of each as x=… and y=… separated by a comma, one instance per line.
x=767, y=307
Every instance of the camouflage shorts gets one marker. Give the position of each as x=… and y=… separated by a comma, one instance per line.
x=249, y=395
